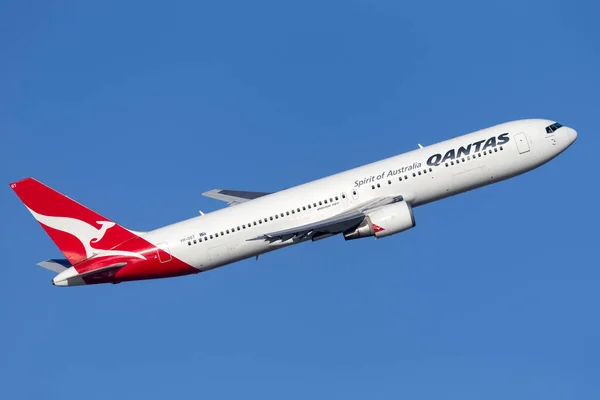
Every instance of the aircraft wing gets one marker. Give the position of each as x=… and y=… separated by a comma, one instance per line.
x=233, y=197
x=332, y=225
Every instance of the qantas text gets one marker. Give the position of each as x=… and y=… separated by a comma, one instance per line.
x=476, y=147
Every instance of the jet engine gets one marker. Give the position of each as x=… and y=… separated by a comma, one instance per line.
x=385, y=221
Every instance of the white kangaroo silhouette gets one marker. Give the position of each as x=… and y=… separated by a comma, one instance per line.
x=84, y=232
x=106, y=225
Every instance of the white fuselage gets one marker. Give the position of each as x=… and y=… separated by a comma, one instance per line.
x=420, y=176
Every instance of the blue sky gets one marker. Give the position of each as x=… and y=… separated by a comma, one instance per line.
x=135, y=108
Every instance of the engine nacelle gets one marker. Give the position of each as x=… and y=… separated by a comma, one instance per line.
x=384, y=221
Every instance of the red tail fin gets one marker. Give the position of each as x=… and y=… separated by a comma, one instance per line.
x=79, y=232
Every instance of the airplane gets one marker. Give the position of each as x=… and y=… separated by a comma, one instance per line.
x=375, y=200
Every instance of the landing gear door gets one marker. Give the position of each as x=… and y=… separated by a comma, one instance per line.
x=522, y=143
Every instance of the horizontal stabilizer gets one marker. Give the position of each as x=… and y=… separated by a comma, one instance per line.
x=233, y=197
x=56, y=265
x=71, y=277
x=103, y=269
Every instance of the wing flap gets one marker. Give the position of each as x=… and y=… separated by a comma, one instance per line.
x=336, y=224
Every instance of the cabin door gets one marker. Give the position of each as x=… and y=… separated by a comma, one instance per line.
x=522, y=144
x=164, y=255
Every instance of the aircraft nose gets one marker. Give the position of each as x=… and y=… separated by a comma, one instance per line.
x=571, y=135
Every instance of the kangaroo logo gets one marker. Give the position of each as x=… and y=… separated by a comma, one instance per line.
x=84, y=232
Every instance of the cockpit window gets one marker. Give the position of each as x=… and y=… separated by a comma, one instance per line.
x=553, y=127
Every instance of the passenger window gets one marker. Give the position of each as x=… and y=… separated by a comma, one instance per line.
x=419, y=173
x=320, y=203
x=260, y=221
x=243, y=226
x=276, y=216
x=271, y=218
x=405, y=176
x=336, y=198
x=325, y=201
x=378, y=185
x=238, y=228
x=227, y=231
x=211, y=236
x=189, y=243
x=400, y=179
x=286, y=213
x=293, y=212
x=430, y=170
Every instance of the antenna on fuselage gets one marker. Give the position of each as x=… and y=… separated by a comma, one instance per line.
x=201, y=213
x=420, y=146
